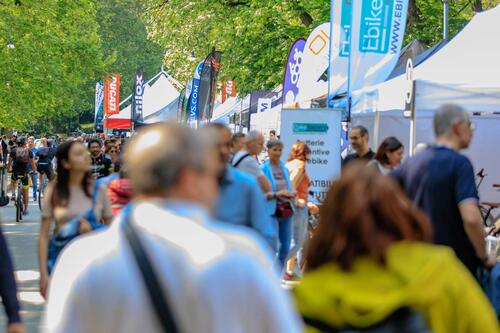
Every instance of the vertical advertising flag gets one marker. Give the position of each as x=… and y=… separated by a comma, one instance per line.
x=340, y=41
x=180, y=105
x=187, y=95
x=313, y=81
x=208, y=81
x=377, y=36
x=230, y=88
x=137, y=95
x=112, y=94
x=98, y=106
x=292, y=72
x=194, y=95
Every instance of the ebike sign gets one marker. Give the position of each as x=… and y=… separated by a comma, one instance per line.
x=378, y=19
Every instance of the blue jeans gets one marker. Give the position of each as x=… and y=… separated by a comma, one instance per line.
x=284, y=228
x=299, y=234
x=34, y=180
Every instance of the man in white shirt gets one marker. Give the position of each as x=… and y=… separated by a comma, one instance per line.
x=245, y=160
x=218, y=277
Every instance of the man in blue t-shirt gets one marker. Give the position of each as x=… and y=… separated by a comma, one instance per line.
x=440, y=180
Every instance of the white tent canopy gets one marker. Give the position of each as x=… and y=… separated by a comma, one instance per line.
x=157, y=96
x=229, y=107
x=465, y=71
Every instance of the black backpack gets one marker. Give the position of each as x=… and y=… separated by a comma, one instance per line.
x=22, y=155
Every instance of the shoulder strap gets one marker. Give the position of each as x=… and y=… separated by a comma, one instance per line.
x=240, y=160
x=156, y=292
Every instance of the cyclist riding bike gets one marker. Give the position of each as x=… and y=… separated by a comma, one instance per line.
x=19, y=161
x=45, y=156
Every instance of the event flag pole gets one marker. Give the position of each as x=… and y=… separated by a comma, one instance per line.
x=349, y=70
x=330, y=58
x=446, y=20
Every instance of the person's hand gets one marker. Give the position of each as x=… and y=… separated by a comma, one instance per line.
x=490, y=263
x=496, y=227
x=285, y=194
x=313, y=209
x=44, y=283
x=301, y=203
x=16, y=328
x=84, y=226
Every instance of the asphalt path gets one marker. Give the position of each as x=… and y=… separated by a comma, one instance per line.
x=22, y=239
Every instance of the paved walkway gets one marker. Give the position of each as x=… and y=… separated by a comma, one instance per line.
x=22, y=239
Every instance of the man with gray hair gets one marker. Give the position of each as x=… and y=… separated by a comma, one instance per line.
x=214, y=277
x=246, y=159
x=440, y=181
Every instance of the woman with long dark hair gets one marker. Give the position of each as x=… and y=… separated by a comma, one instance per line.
x=389, y=155
x=67, y=200
x=370, y=264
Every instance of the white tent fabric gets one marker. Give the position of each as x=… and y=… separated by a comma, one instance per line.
x=156, y=97
x=227, y=108
x=465, y=71
x=483, y=151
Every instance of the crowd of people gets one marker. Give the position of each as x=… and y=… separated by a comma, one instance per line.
x=182, y=230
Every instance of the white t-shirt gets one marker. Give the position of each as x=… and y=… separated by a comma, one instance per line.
x=218, y=281
x=247, y=164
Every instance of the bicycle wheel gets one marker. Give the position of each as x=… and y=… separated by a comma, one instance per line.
x=19, y=209
x=40, y=191
x=488, y=218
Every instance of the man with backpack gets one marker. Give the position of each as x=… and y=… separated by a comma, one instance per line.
x=20, y=160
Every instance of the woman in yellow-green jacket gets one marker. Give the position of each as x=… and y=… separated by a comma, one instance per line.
x=370, y=258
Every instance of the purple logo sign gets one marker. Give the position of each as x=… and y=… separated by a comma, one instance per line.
x=292, y=72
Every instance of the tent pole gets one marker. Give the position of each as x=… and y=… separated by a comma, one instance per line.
x=445, y=19
x=413, y=135
x=376, y=129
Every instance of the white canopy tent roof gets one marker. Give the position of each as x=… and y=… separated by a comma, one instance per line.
x=229, y=107
x=465, y=71
x=158, y=95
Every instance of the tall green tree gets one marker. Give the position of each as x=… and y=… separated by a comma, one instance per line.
x=122, y=28
x=57, y=52
x=255, y=35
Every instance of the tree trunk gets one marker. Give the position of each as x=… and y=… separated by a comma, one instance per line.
x=413, y=12
x=477, y=6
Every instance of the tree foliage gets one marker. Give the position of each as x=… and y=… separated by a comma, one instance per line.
x=57, y=52
x=125, y=40
x=255, y=35
x=61, y=49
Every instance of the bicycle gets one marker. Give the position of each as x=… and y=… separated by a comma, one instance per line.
x=19, y=198
x=43, y=181
x=487, y=207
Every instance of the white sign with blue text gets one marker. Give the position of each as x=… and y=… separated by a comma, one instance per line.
x=320, y=130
